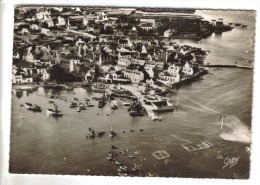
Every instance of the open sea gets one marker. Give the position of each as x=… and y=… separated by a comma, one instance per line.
x=46, y=145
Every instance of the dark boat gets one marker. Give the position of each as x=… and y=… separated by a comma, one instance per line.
x=101, y=103
x=237, y=24
x=33, y=107
x=136, y=109
x=101, y=133
x=91, y=132
x=244, y=26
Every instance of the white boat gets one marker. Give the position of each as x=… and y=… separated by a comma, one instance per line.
x=114, y=104
x=33, y=107
x=126, y=104
x=54, y=112
x=78, y=109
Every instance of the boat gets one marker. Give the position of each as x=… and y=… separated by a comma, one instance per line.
x=113, y=147
x=75, y=99
x=122, y=174
x=33, y=107
x=86, y=99
x=126, y=104
x=244, y=26
x=119, y=162
x=112, y=153
x=73, y=105
x=213, y=20
x=237, y=24
x=82, y=106
x=101, y=133
x=53, y=97
x=101, y=102
x=51, y=102
x=78, y=109
x=136, y=109
x=114, y=104
x=135, y=169
x=109, y=157
x=112, y=133
x=54, y=112
x=89, y=104
x=91, y=132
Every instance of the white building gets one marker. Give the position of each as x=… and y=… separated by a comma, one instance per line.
x=187, y=69
x=61, y=21
x=134, y=75
x=45, y=31
x=173, y=69
x=167, y=33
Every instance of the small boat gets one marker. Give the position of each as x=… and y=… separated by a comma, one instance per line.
x=78, y=109
x=91, y=132
x=244, y=26
x=122, y=174
x=159, y=118
x=53, y=97
x=33, y=107
x=109, y=158
x=51, y=101
x=112, y=133
x=112, y=153
x=135, y=169
x=113, y=147
x=54, y=112
x=114, y=104
x=101, y=103
x=73, y=105
x=213, y=20
x=75, y=99
x=89, y=104
x=101, y=133
x=237, y=24
x=231, y=23
x=123, y=167
x=130, y=156
x=126, y=104
x=86, y=99
x=119, y=162
x=82, y=106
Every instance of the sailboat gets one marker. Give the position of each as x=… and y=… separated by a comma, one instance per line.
x=112, y=133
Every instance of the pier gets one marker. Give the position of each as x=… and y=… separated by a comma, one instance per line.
x=148, y=108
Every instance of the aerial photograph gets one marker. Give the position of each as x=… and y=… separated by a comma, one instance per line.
x=132, y=91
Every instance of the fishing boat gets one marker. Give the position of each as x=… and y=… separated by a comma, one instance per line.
x=237, y=24
x=33, y=107
x=73, y=105
x=109, y=157
x=78, y=109
x=82, y=106
x=119, y=162
x=91, y=132
x=101, y=102
x=112, y=133
x=101, y=133
x=244, y=26
x=114, y=104
x=89, y=104
x=54, y=112
x=136, y=109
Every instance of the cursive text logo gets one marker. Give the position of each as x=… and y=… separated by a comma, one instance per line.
x=230, y=162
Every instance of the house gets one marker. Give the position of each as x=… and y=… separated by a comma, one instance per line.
x=34, y=27
x=90, y=75
x=124, y=55
x=101, y=16
x=134, y=75
x=167, y=33
x=173, y=69
x=61, y=21
x=150, y=21
x=149, y=70
x=169, y=78
x=147, y=26
x=25, y=31
x=187, y=69
x=45, y=76
x=122, y=42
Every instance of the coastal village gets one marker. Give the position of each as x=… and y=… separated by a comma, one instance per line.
x=125, y=56
x=108, y=50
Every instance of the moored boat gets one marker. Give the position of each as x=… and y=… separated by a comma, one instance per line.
x=54, y=112
x=126, y=104
x=114, y=104
x=91, y=132
x=33, y=107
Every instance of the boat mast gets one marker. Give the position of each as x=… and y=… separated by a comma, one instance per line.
x=222, y=120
